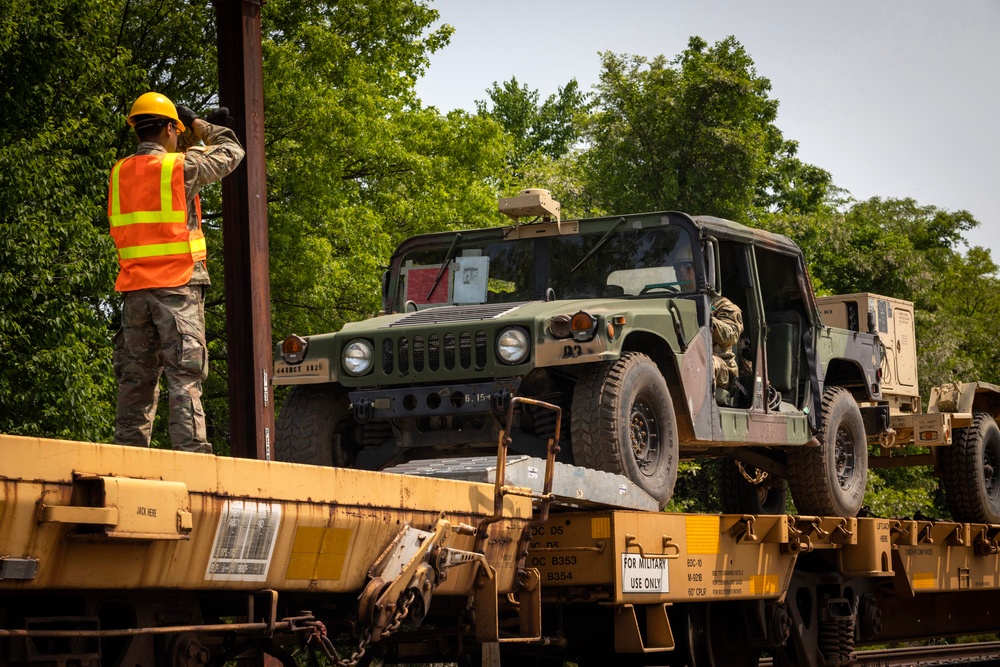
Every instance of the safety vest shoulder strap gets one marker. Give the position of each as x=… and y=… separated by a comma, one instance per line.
x=168, y=207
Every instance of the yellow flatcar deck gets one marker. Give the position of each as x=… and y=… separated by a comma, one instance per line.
x=79, y=515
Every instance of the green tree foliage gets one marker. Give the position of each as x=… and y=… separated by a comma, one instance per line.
x=547, y=141
x=355, y=164
x=695, y=134
x=57, y=131
x=70, y=70
x=550, y=129
x=890, y=246
x=793, y=186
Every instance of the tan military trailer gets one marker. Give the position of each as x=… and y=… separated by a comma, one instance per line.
x=592, y=316
x=958, y=435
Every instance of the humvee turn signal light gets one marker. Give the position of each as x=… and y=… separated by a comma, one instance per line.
x=293, y=349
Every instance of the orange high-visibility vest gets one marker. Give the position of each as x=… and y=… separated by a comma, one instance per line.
x=148, y=214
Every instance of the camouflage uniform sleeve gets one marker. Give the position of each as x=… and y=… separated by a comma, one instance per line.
x=727, y=323
x=203, y=165
x=209, y=163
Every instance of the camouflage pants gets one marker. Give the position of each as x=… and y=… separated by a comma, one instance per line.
x=725, y=370
x=163, y=332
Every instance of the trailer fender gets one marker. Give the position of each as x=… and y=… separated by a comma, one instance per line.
x=966, y=397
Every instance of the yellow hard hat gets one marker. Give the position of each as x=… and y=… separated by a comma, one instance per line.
x=154, y=104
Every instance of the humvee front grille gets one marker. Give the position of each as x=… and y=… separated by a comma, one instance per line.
x=404, y=355
x=450, y=351
x=480, y=349
x=387, y=356
x=433, y=353
x=418, y=353
x=465, y=349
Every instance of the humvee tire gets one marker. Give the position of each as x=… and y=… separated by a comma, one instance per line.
x=739, y=496
x=622, y=421
x=830, y=480
x=307, y=425
x=970, y=471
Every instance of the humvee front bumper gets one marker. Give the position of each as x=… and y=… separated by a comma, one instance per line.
x=433, y=401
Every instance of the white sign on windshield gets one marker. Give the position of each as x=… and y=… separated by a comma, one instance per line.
x=471, y=279
x=644, y=575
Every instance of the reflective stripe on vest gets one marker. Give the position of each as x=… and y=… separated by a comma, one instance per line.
x=147, y=210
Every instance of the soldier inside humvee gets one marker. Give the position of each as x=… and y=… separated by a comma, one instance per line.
x=727, y=327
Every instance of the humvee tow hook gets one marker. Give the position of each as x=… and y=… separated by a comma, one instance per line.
x=363, y=411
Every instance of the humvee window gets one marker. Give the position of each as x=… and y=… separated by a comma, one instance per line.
x=630, y=262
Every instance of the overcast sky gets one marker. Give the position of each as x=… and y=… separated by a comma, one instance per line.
x=893, y=98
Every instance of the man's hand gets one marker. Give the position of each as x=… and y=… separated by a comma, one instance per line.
x=219, y=116
x=187, y=116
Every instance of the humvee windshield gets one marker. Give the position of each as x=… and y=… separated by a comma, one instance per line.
x=624, y=263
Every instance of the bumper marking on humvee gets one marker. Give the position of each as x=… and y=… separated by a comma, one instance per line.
x=308, y=372
x=433, y=401
x=568, y=353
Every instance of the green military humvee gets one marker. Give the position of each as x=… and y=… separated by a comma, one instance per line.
x=590, y=315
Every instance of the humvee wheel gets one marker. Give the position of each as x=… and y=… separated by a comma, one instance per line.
x=971, y=471
x=830, y=480
x=307, y=427
x=739, y=496
x=622, y=421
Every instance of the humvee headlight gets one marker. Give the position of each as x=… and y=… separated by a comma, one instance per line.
x=358, y=355
x=512, y=345
x=584, y=326
x=293, y=349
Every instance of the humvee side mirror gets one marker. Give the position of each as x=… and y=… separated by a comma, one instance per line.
x=385, y=288
x=713, y=276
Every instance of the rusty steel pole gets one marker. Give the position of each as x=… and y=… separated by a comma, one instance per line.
x=244, y=227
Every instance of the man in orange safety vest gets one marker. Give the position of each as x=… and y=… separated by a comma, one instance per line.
x=155, y=217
